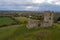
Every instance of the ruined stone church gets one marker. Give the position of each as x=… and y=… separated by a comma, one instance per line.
x=46, y=22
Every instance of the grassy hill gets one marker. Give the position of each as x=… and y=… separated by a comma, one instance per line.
x=20, y=32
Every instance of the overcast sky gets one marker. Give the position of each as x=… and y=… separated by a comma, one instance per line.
x=30, y=5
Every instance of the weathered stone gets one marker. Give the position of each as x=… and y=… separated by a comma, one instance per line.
x=32, y=23
x=48, y=19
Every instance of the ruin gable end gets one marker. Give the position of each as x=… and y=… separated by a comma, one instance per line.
x=48, y=19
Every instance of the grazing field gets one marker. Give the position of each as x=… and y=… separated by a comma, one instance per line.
x=6, y=21
x=20, y=32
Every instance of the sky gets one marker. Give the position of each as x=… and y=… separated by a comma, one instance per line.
x=30, y=5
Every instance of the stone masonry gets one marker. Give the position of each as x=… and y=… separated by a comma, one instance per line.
x=47, y=21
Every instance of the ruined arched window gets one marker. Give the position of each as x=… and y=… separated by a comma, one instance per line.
x=49, y=18
x=58, y=19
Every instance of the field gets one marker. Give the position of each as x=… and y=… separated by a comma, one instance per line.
x=6, y=21
x=20, y=32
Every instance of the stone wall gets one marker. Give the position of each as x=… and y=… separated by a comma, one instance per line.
x=48, y=19
x=46, y=22
x=33, y=24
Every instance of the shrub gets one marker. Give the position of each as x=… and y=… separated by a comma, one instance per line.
x=22, y=20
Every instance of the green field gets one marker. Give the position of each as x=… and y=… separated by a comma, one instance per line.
x=6, y=21
x=20, y=32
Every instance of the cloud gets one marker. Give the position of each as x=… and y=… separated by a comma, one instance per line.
x=57, y=2
x=31, y=5
x=38, y=1
x=29, y=1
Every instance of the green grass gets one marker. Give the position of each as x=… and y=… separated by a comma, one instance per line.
x=7, y=31
x=20, y=32
x=6, y=20
x=22, y=20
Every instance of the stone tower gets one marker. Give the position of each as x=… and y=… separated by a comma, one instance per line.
x=48, y=19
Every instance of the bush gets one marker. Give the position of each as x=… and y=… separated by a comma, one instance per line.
x=22, y=20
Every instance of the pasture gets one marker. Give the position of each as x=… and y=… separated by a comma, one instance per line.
x=20, y=32
x=6, y=21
